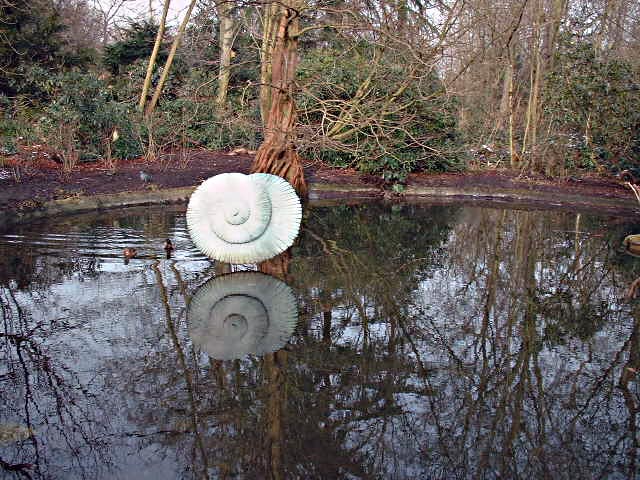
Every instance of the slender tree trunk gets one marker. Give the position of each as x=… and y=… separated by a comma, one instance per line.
x=507, y=83
x=512, y=147
x=598, y=43
x=553, y=27
x=531, y=129
x=403, y=15
x=167, y=66
x=154, y=54
x=629, y=375
x=275, y=379
x=269, y=32
x=277, y=154
x=105, y=32
x=226, y=44
x=619, y=27
x=186, y=371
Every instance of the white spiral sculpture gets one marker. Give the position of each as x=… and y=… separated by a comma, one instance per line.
x=237, y=218
x=242, y=313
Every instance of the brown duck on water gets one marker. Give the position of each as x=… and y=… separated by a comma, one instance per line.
x=631, y=244
x=129, y=253
x=168, y=247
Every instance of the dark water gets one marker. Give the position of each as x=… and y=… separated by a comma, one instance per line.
x=432, y=342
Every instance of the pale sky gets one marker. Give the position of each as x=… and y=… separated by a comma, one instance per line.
x=135, y=8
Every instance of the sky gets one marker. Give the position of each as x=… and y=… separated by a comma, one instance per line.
x=134, y=8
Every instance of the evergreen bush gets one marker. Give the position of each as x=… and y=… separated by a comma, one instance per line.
x=594, y=105
x=413, y=131
x=90, y=111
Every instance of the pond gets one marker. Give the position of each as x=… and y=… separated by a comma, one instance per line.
x=448, y=341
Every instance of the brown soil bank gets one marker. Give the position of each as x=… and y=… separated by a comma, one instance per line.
x=37, y=187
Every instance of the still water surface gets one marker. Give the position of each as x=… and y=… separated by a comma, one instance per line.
x=431, y=342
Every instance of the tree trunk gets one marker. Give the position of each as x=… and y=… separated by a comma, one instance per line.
x=513, y=156
x=269, y=31
x=507, y=85
x=154, y=54
x=601, y=34
x=277, y=266
x=275, y=384
x=530, y=137
x=167, y=66
x=226, y=43
x=552, y=30
x=277, y=154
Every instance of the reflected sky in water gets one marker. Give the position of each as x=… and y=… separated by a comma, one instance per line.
x=432, y=342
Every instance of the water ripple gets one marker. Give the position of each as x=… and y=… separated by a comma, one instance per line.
x=104, y=238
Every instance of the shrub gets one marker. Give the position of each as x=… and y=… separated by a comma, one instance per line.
x=394, y=126
x=30, y=35
x=137, y=43
x=185, y=122
x=595, y=104
x=15, y=124
x=89, y=111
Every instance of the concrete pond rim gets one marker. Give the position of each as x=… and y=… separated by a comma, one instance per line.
x=327, y=194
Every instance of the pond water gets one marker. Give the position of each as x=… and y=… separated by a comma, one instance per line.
x=431, y=342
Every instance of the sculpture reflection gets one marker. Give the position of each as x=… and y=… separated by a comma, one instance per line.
x=242, y=313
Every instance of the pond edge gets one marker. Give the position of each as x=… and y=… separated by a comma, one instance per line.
x=321, y=194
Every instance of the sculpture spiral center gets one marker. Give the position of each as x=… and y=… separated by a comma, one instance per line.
x=241, y=213
x=238, y=319
x=234, y=327
x=237, y=213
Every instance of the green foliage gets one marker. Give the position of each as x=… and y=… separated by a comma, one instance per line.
x=360, y=236
x=137, y=43
x=29, y=35
x=35, y=82
x=15, y=125
x=187, y=115
x=84, y=110
x=595, y=104
x=395, y=127
x=89, y=111
x=185, y=123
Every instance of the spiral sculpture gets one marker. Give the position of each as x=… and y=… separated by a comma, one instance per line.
x=237, y=218
x=242, y=313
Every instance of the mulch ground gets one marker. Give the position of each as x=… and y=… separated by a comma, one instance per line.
x=28, y=181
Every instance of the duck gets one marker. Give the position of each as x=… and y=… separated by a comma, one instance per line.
x=627, y=176
x=631, y=244
x=145, y=177
x=168, y=247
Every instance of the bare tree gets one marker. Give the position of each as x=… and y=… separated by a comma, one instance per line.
x=226, y=35
x=83, y=24
x=279, y=56
x=154, y=54
x=172, y=54
x=108, y=11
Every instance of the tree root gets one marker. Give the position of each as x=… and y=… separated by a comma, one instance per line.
x=283, y=161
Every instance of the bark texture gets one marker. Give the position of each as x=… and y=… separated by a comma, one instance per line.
x=277, y=154
x=226, y=49
x=167, y=66
x=154, y=54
